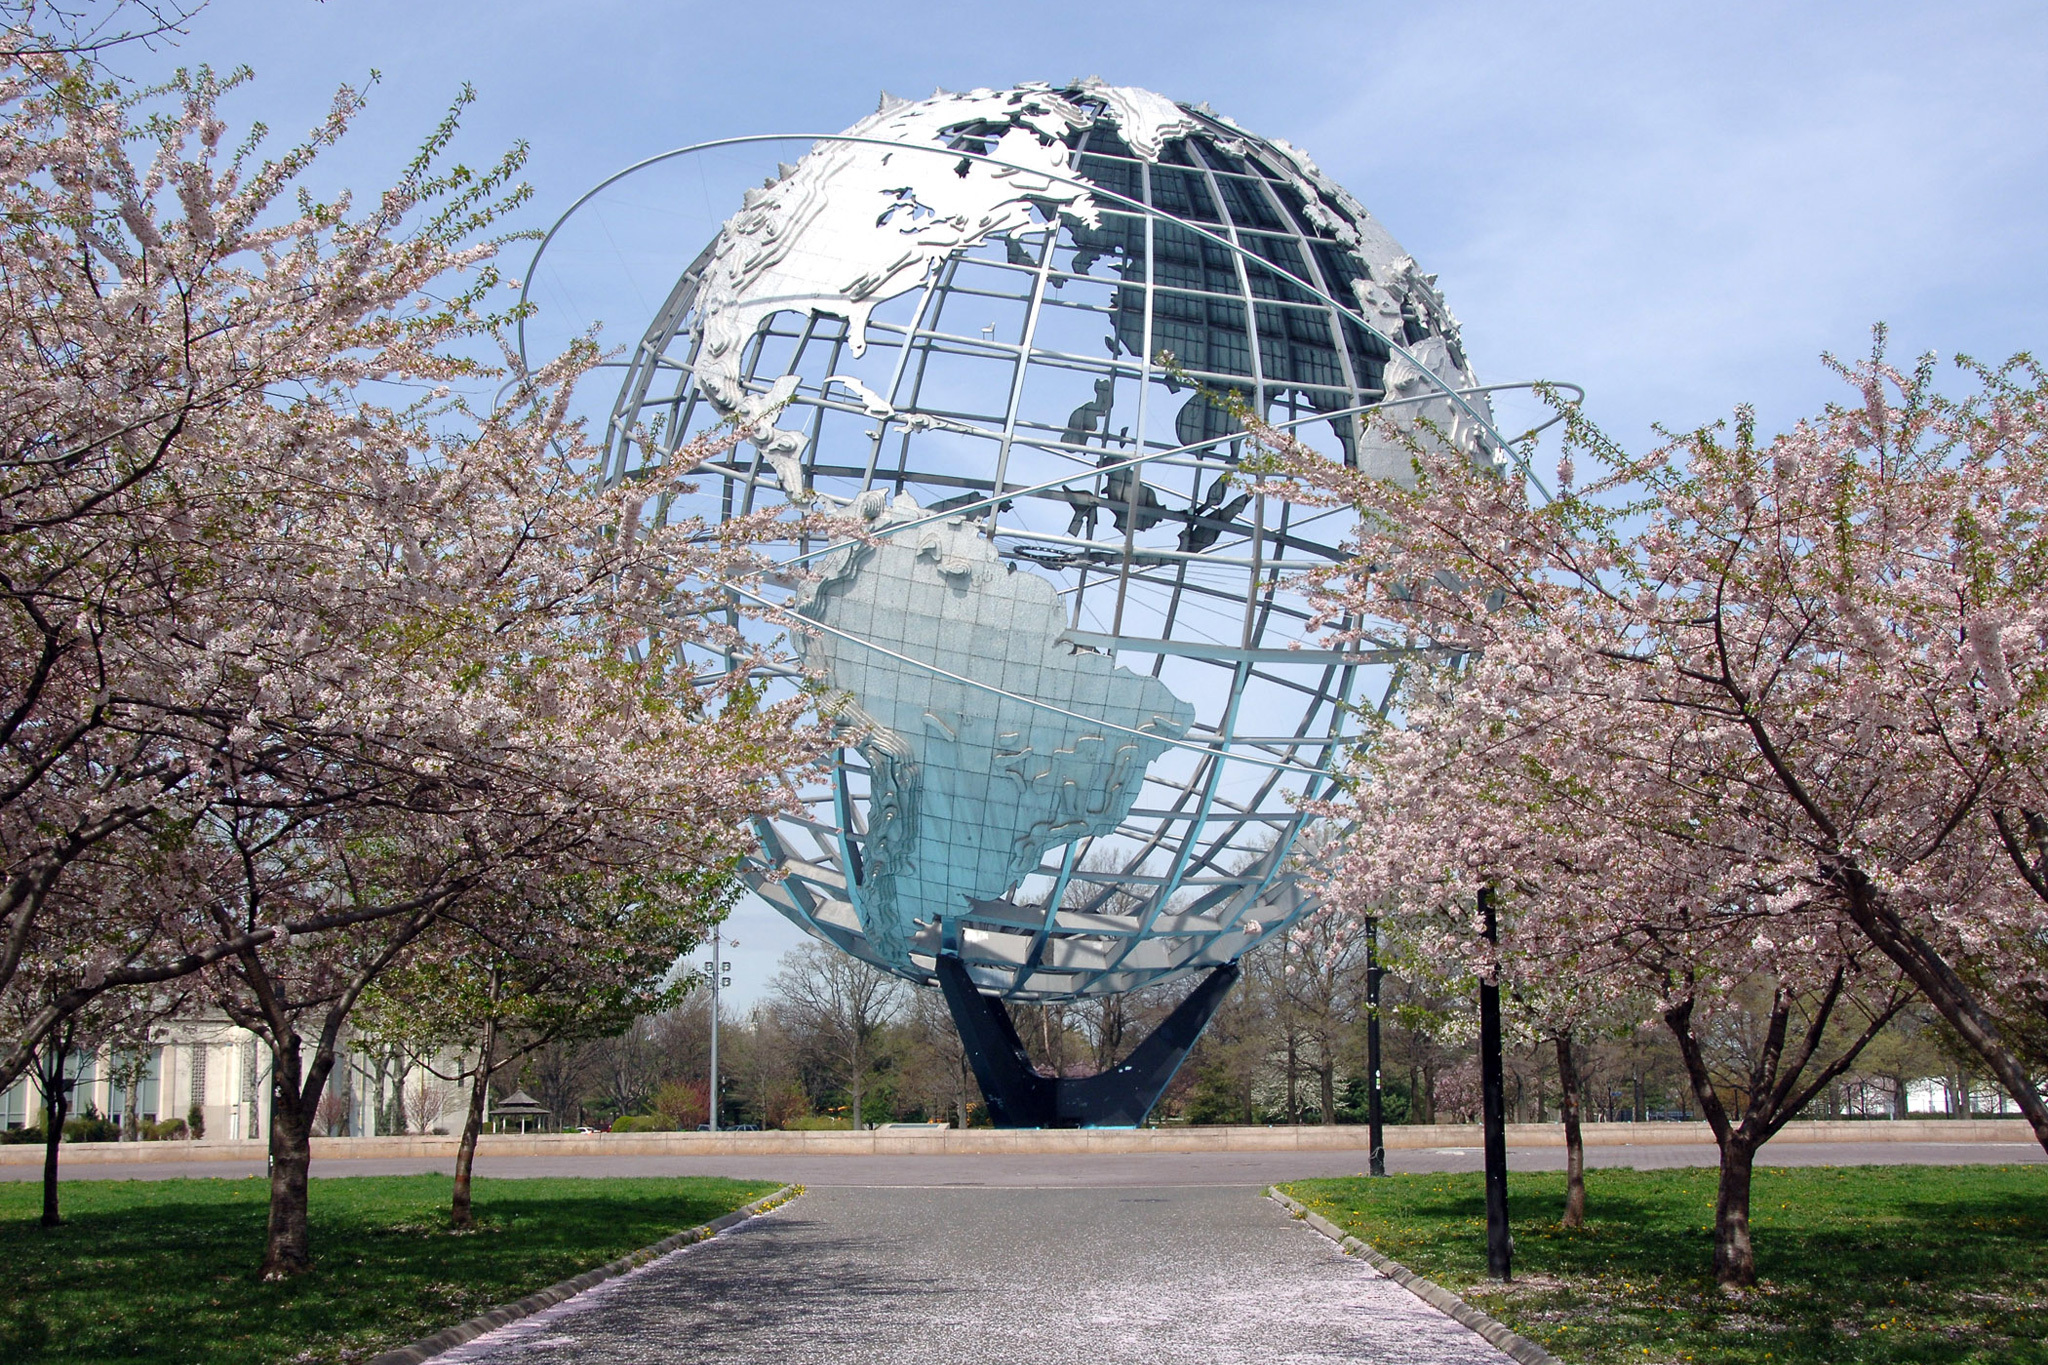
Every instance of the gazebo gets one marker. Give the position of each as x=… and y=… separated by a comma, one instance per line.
x=518, y=1105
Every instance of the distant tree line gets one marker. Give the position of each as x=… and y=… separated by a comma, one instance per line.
x=1288, y=1046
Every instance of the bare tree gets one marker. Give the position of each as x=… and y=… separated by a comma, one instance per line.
x=934, y=1066
x=765, y=1074
x=559, y=1075
x=428, y=1100
x=841, y=1002
x=625, y=1068
x=385, y=1066
x=331, y=1115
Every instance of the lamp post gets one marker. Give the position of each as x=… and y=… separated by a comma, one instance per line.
x=1499, y=1244
x=716, y=969
x=1375, y=1133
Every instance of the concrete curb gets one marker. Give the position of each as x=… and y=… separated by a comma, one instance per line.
x=450, y=1337
x=1498, y=1334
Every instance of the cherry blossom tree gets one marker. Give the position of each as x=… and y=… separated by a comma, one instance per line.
x=95, y=26
x=342, y=651
x=1638, y=824
x=122, y=1023
x=1626, y=878
x=1835, y=634
x=570, y=962
x=163, y=343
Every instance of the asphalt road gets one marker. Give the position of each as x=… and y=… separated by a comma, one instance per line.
x=1148, y=1276
x=1067, y=1171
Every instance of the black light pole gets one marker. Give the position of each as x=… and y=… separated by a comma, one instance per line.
x=1499, y=1245
x=1375, y=1133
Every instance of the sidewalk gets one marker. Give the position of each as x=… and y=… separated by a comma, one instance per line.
x=1139, y=1276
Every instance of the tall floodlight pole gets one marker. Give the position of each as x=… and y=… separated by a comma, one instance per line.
x=716, y=963
x=1499, y=1245
x=1376, y=1137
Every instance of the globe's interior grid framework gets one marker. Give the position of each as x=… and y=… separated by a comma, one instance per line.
x=1086, y=708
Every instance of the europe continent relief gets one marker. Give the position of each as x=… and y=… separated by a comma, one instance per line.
x=944, y=650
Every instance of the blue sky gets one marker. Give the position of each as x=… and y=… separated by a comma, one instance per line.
x=1678, y=207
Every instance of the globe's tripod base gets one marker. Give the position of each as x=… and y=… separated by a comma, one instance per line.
x=1018, y=1097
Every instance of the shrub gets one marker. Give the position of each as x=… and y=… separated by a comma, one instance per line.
x=644, y=1123
x=878, y=1101
x=13, y=1135
x=1218, y=1097
x=168, y=1130
x=685, y=1104
x=195, y=1122
x=90, y=1127
x=785, y=1106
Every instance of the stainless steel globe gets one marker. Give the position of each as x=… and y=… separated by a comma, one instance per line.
x=1005, y=329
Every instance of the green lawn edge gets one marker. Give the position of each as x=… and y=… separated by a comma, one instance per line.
x=1858, y=1265
x=165, y=1270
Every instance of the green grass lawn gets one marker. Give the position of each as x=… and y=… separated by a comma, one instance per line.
x=1889, y=1264
x=165, y=1270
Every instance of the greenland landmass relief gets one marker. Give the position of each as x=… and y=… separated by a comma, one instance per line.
x=972, y=783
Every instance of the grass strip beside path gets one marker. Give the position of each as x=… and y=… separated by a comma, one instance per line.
x=1858, y=1265
x=165, y=1270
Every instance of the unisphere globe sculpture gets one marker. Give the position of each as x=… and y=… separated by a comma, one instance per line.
x=1002, y=328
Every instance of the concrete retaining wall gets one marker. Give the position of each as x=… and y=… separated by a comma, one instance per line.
x=989, y=1141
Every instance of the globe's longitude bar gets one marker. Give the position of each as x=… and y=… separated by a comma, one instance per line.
x=1204, y=849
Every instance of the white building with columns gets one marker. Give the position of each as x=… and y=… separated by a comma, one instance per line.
x=220, y=1070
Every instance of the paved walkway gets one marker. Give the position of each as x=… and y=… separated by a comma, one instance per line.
x=1140, y=1276
x=1139, y=1259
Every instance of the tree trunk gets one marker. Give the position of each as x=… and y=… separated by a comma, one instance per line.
x=392, y=1063
x=855, y=1117
x=56, y=1107
x=1574, y=1147
x=1293, y=1084
x=1326, y=1075
x=289, y=1248
x=131, y=1122
x=1946, y=991
x=1734, y=1255
x=459, y=1214
x=253, y=1077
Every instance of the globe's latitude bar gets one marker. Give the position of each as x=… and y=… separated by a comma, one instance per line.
x=1083, y=709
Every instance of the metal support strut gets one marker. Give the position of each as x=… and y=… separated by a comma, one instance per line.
x=1019, y=1097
